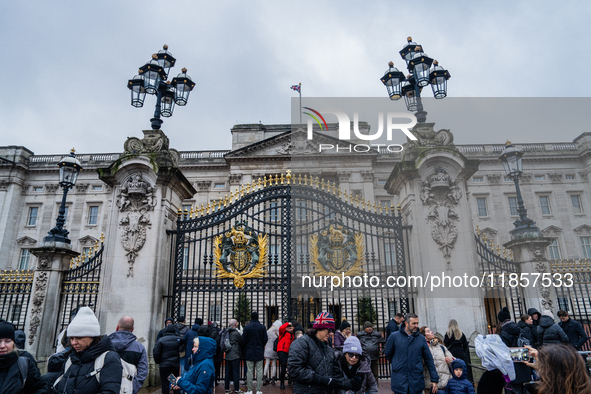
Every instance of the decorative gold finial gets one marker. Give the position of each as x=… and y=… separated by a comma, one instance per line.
x=391, y=63
x=165, y=47
x=180, y=212
x=409, y=39
x=184, y=70
x=154, y=56
x=507, y=143
x=288, y=176
x=72, y=150
x=102, y=237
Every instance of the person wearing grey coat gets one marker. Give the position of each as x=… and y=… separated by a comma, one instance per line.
x=233, y=357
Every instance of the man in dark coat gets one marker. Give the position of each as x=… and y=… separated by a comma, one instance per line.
x=394, y=324
x=233, y=357
x=573, y=330
x=189, y=336
x=130, y=350
x=166, y=353
x=406, y=349
x=214, y=333
x=88, y=345
x=371, y=341
x=167, y=322
x=549, y=332
x=510, y=333
x=535, y=316
x=254, y=338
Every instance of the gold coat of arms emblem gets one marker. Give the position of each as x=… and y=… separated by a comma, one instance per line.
x=240, y=254
x=337, y=250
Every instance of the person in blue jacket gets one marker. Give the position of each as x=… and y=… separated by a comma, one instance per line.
x=200, y=378
x=459, y=384
x=406, y=349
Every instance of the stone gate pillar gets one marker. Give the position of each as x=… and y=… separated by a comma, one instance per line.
x=529, y=252
x=53, y=259
x=148, y=189
x=430, y=183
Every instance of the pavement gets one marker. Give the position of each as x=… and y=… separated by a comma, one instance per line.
x=383, y=388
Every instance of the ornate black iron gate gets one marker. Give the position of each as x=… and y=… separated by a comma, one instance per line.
x=496, y=265
x=80, y=285
x=254, y=250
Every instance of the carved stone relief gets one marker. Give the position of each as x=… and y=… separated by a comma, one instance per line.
x=494, y=179
x=555, y=176
x=4, y=185
x=357, y=194
x=51, y=187
x=203, y=186
x=367, y=175
x=344, y=176
x=235, y=179
x=38, y=299
x=441, y=194
x=136, y=198
x=82, y=187
x=298, y=145
x=426, y=136
x=526, y=178
x=551, y=231
x=545, y=292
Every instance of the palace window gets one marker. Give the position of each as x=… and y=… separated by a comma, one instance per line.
x=478, y=179
x=545, y=205
x=576, y=201
x=554, y=250
x=540, y=177
x=93, y=214
x=389, y=254
x=586, y=247
x=513, y=206
x=481, y=203
x=273, y=213
x=24, y=259
x=570, y=176
x=32, y=218
x=392, y=308
x=215, y=313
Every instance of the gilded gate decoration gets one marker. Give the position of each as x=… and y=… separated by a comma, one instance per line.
x=337, y=250
x=240, y=253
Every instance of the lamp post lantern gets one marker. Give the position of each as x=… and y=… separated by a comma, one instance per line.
x=152, y=79
x=69, y=169
x=421, y=75
x=512, y=161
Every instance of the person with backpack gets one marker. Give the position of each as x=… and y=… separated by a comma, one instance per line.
x=93, y=366
x=283, y=345
x=271, y=352
x=166, y=353
x=18, y=374
x=231, y=344
x=134, y=358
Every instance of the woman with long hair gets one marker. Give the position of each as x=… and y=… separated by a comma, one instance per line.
x=561, y=370
x=442, y=358
x=456, y=342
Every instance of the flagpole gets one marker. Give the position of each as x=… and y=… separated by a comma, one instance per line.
x=300, y=91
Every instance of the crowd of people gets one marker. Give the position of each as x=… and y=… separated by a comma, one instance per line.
x=320, y=359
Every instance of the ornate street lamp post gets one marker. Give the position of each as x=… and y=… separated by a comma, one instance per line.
x=152, y=79
x=513, y=164
x=69, y=169
x=421, y=75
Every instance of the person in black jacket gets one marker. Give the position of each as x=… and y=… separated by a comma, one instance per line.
x=312, y=363
x=529, y=331
x=87, y=346
x=371, y=342
x=214, y=333
x=233, y=357
x=549, y=332
x=166, y=353
x=457, y=344
x=11, y=365
x=394, y=324
x=535, y=316
x=255, y=338
x=510, y=333
x=167, y=322
x=573, y=330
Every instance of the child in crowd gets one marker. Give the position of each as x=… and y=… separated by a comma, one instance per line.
x=459, y=383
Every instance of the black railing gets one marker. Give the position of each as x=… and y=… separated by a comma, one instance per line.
x=15, y=293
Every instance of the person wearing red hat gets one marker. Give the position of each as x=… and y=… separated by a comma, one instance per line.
x=312, y=363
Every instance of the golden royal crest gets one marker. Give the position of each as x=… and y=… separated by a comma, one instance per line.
x=337, y=250
x=240, y=254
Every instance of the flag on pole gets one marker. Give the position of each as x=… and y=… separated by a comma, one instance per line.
x=297, y=88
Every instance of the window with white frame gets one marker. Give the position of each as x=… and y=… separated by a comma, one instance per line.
x=215, y=312
x=186, y=258
x=274, y=212
x=540, y=177
x=389, y=254
x=481, y=204
x=563, y=304
x=392, y=308
x=586, y=247
x=86, y=253
x=507, y=179
x=301, y=210
x=570, y=176
x=24, y=259
x=97, y=188
x=576, y=201
x=93, y=212
x=15, y=314
x=219, y=185
x=38, y=188
x=32, y=218
x=554, y=250
x=477, y=179
x=513, y=206
x=545, y=205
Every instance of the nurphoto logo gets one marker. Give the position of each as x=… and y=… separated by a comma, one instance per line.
x=344, y=132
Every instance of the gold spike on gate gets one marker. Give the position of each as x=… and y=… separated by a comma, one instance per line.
x=282, y=178
x=288, y=176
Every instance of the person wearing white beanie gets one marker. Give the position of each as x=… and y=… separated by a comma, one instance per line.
x=84, y=332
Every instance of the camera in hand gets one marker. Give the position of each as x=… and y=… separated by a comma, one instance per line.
x=172, y=379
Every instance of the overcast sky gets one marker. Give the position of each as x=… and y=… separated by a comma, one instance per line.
x=66, y=63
